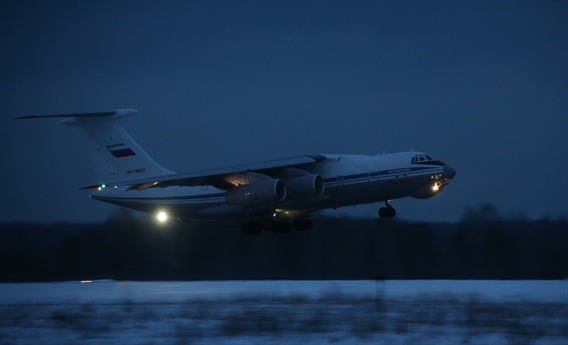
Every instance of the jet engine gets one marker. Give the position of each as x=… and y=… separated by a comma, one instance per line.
x=257, y=193
x=304, y=187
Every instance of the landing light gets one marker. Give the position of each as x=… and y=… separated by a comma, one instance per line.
x=436, y=187
x=162, y=216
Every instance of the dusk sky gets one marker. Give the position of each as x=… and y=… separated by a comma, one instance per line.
x=480, y=85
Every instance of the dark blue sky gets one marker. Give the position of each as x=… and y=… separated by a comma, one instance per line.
x=482, y=86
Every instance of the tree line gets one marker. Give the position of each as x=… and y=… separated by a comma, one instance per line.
x=482, y=245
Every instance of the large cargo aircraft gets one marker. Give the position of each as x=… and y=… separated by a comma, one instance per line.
x=277, y=195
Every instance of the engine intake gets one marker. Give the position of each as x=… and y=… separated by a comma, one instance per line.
x=257, y=193
x=304, y=187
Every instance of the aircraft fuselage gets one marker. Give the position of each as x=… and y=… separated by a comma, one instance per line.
x=348, y=180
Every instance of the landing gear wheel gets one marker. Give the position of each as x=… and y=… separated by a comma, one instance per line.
x=387, y=212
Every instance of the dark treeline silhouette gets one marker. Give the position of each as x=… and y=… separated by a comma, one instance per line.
x=481, y=246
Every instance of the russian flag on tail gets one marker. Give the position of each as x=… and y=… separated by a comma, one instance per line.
x=120, y=150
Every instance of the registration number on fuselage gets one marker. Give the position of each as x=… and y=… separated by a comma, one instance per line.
x=135, y=171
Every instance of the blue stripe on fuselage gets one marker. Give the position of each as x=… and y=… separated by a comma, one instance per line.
x=198, y=198
x=384, y=174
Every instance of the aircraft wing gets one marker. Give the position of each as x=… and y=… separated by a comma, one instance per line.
x=218, y=178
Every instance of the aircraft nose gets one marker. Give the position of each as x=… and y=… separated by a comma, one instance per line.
x=448, y=172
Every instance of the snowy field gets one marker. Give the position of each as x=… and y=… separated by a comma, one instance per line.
x=285, y=312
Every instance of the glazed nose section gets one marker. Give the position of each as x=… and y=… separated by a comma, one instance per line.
x=448, y=172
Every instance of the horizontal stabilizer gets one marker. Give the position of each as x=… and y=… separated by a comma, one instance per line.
x=110, y=115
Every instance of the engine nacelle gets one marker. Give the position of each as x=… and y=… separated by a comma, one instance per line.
x=257, y=193
x=304, y=187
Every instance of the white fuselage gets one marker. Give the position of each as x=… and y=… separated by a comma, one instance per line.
x=348, y=180
x=274, y=195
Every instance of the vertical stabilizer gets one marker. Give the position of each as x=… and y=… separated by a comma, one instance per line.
x=112, y=151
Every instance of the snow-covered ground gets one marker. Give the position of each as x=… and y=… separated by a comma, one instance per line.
x=285, y=312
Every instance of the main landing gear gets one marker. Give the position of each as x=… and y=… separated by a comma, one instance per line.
x=388, y=211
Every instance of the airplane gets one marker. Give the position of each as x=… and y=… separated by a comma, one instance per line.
x=276, y=196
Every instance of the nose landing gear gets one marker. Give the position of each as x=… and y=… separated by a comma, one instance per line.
x=388, y=211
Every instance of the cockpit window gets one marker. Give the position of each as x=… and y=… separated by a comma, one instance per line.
x=421, y=158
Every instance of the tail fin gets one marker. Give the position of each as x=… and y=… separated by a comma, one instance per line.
x=112, y=151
